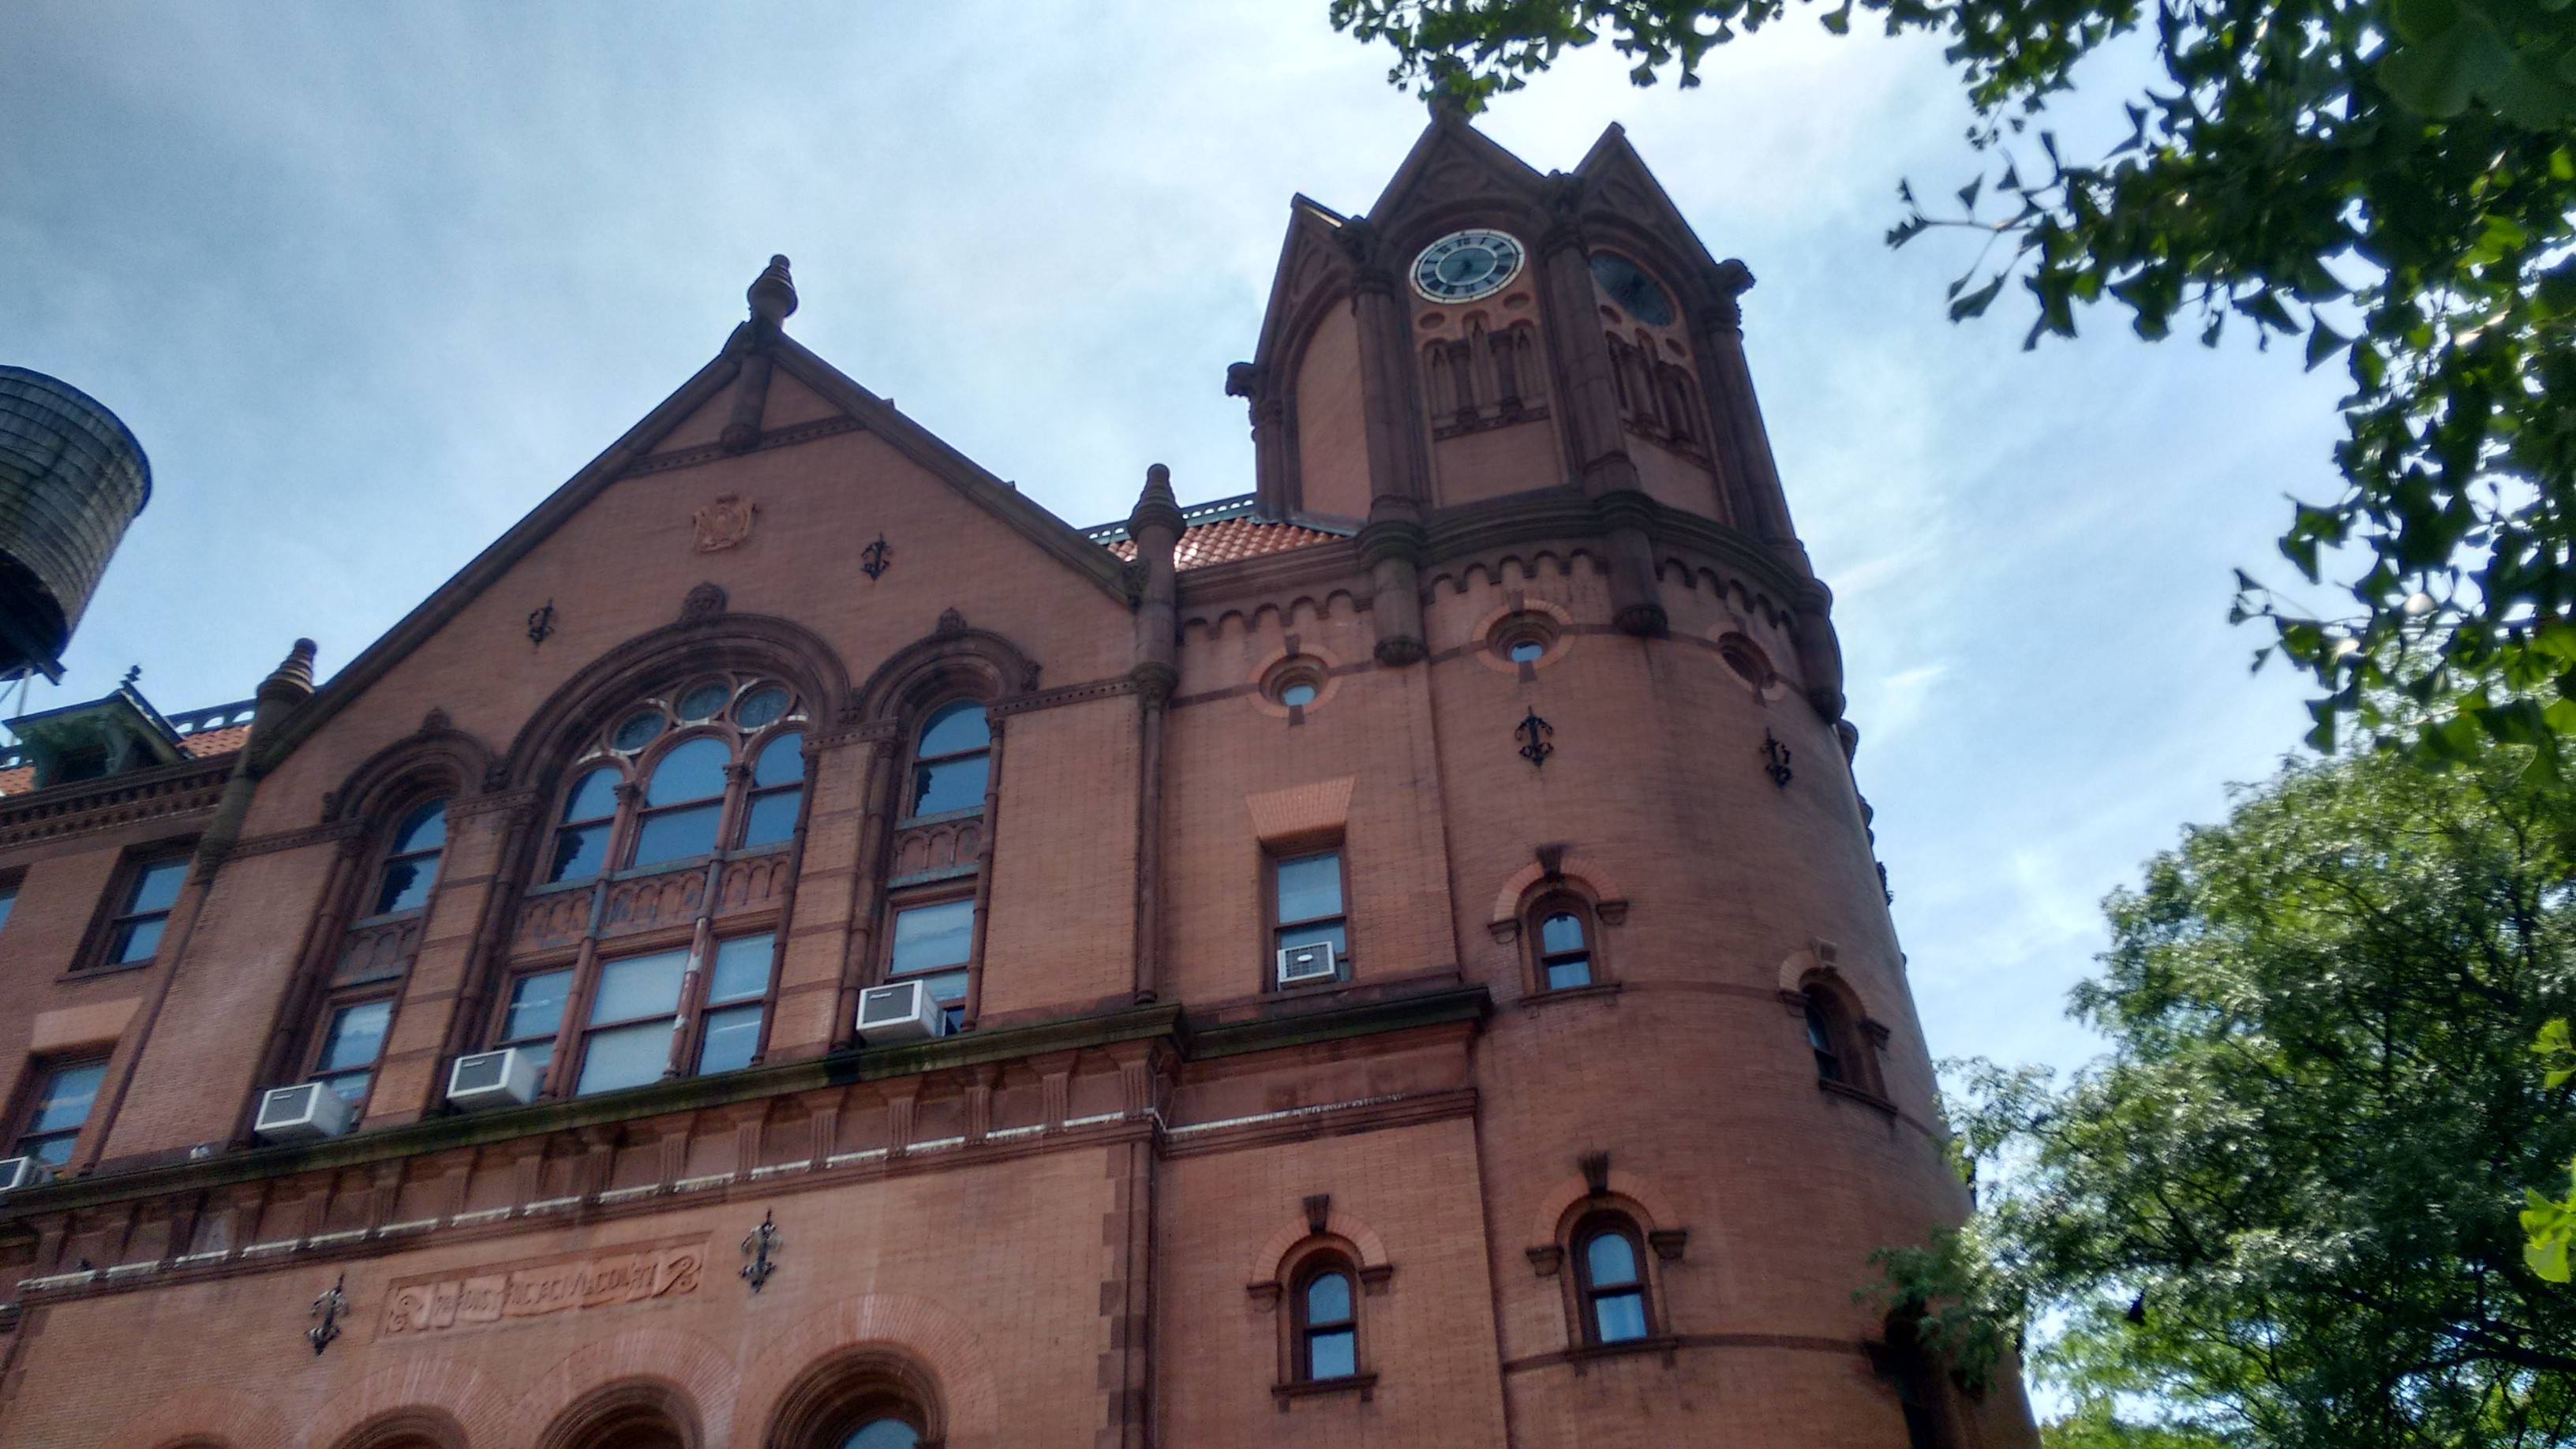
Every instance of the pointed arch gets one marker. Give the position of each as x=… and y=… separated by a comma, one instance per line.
x=957, y=660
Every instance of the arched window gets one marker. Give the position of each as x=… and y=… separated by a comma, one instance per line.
x=1844, y=1047
x=411, y=866
x=952, y=761
x=1823, y=1039
x=1611, y=1279
x=868, y=1398
x=681, y=777
x=648, y=947
x=1563, y=934
x=1327, y=1324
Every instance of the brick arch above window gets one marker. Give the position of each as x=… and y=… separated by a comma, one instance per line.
x=421, y=1387
x=1365, y=1246
x=740, y=643
x=207, y=1414
x=436, y=759
x=919, y=1330
x=701, y=1374
x=955, y=662
x=1609, y=901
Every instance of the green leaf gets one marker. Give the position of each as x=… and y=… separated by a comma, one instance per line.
x=1975, y=303
x=2438, y=75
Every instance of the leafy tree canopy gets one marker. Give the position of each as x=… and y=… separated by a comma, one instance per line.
x=2390, y=180
x=2283, y=1210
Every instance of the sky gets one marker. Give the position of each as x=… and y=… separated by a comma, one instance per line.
x=369, y=282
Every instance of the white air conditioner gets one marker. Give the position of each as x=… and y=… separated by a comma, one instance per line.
x=506, y=1078
x=18, y=1172
x=1310, y=962
x=904, y=1011
x=305, y=1112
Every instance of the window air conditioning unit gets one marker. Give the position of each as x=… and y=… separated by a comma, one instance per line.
x=904, y=1011
x=306, y=1112
x=506, y=1078
x=1310, y=962
x=18, y=1172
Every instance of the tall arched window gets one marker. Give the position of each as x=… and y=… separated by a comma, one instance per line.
x=411, y=867
x=1611, y=1282
x=1327, y=1324
x=355, y=1015
x=647, y=948
x=951, y=763
x=1823, y=1039
x=1844, y=1046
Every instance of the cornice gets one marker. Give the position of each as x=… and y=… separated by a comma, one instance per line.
x=1065, y=694
x=786, y=437
x=270, y=844
x=185, y=788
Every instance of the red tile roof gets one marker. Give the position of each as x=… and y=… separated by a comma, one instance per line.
x=204, y=744
x=1229, y=539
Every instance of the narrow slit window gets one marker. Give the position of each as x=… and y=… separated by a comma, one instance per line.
x=411, y=865
x=953, y=761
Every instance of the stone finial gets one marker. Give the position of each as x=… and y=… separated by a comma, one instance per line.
x=1155, y=505
x=294, y=674
x=772, y=294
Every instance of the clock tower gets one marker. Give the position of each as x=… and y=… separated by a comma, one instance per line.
x=1488, y=334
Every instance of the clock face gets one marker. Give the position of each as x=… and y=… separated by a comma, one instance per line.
x=1464, y=266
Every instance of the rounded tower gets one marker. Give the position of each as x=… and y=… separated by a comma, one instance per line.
x=71, y=478
x=1705, y=1096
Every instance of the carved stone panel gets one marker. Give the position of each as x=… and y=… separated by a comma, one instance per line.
x=653, y=901
x=530, y=1288
x=938, y=846
x=553, y=920
x=751, y=884
x=377, y=953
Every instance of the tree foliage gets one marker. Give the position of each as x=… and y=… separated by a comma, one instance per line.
x=2390, y=181
x=2283, y=1210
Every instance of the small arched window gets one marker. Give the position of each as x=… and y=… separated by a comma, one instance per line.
x=952, y=761
x=1611, y=1280
x=411, y=862
x=589, y=817
x=1327, y=1324
x=1823, y=1037
x=777, y=789
x=683, y=803
x=1564, y=935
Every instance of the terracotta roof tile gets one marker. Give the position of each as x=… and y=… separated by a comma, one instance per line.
x=214, y=741
x=17, y=781
x=1229, y=539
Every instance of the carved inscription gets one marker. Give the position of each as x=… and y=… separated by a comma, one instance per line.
x=541, y=1286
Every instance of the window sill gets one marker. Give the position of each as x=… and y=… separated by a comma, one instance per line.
x=1598, y=990
x=1295, y=989
x=1364, y=1385
x=388, y=918
x=1862, y=1095
x=1584, y=1353
x=939, y=818
x=92, y=973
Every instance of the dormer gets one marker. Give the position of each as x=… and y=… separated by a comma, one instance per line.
x=102, y=737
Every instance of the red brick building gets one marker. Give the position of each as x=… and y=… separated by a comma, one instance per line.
x=797, y=946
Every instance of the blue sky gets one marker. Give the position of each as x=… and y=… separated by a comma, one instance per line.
x=370, y=281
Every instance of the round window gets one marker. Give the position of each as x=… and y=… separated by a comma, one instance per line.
x=761, y=707
x=703, y=702
x=1300, y=693
x=1522, y=638
x=638, y=730
x=1297, y=681
x=1526, y=651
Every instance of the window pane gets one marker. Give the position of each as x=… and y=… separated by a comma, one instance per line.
x=639, y=986
x=594, y=798
x=781, y=760
x=357, y=1036
x=927, y=936
x=627, y=1056
x=959, y=727
x=692, y=771
x=1300, y=693
x=1620, y=1316
x=741, y=970
x=1611, y=1261
x=349, y=1087
x=135, y=941
x=156, y=888
x=8, y=898
x=536, y=1006
x=406, y=884
x=1527, y=651
x=760, y=707
x=948, y=987
x=678, y=834
x=954, y=785
x=68, y=1094
x=53, y=1152
x=703, y=701
x=1308, y=935
x=1331, y=1355
x=731, y=1036
x=1562, y=974
x=1819, y=1035
x=883, y=1434
x=1560, y=932
x=1328, y=1300
x=538, y=1053
x=1310, y=886
x=772, y=817
x=638, y=730
x=579, y=853
x=424, y=829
